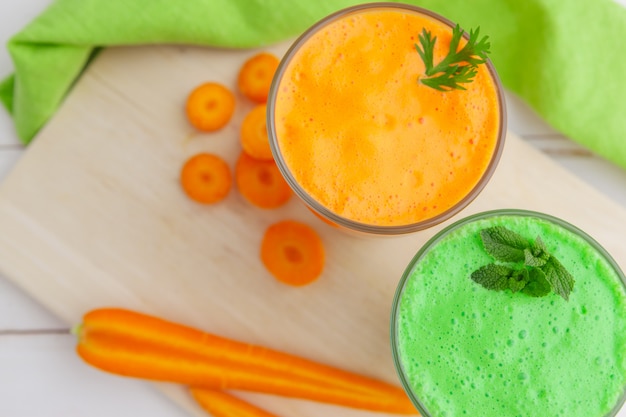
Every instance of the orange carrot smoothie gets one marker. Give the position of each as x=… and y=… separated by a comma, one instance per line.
x=362, y=141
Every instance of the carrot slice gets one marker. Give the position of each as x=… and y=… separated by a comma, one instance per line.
x=221, y=404
x=261, y=183
x=210, y=106
x=293, y=253
x=137, y=345
x=253, y=137
x=206, y=178
x=255, y=76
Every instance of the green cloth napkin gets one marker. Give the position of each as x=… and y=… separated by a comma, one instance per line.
x=563, y=57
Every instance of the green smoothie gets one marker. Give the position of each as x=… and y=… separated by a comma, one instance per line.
x=462, y=349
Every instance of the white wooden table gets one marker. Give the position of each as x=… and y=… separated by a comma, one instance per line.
x=39, y=372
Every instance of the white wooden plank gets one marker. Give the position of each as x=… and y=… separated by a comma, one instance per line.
x=20, y=311
x=8, y=136
x=523, y=120
x=8, y=159
x=557, y=145
x=42, y=376
x=14, y=15
x=605, y=177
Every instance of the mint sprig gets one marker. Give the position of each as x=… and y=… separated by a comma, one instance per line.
x=503, y=244
x=524, y=266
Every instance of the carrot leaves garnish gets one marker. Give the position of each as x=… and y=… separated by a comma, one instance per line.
x=459, y=66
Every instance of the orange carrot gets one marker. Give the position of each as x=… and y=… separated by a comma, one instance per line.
x=210, y=106
x=255, y=76
x=206, y=178
x=221, y=404
x=253, y=135
x=134, y=344
x=261, y=183
x=293, y=253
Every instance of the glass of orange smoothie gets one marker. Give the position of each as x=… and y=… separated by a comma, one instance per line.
x=362, y=141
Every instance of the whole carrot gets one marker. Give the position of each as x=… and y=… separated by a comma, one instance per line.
x=221, y=404
x=138, y=345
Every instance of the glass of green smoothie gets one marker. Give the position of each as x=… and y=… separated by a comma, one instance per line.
x=541, y=333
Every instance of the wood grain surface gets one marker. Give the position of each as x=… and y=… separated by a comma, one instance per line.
x=93, y=215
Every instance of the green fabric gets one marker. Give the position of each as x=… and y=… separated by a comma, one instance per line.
x=563, y=57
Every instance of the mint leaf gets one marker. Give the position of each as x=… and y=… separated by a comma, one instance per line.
x=518, y=279
x=562, y=282
x=529, y=268
x=539, y=248
x=503, y=244
x=530, y=259
x=537, y=285
x=493, y=276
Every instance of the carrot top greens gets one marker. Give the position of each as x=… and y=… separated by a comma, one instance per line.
x=459, y=66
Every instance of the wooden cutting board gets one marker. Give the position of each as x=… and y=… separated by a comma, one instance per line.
x=93, y=216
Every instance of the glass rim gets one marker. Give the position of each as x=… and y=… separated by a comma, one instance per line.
x=454, y=226
x=349, y=223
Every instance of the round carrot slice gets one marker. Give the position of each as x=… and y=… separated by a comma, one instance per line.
x=206, y=178
x=253, y=136
x=255, y=76
x=210, y=106
x=293, y=253
x=261, y=183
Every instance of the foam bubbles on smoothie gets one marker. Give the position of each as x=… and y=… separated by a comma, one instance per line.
x=382, y=77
